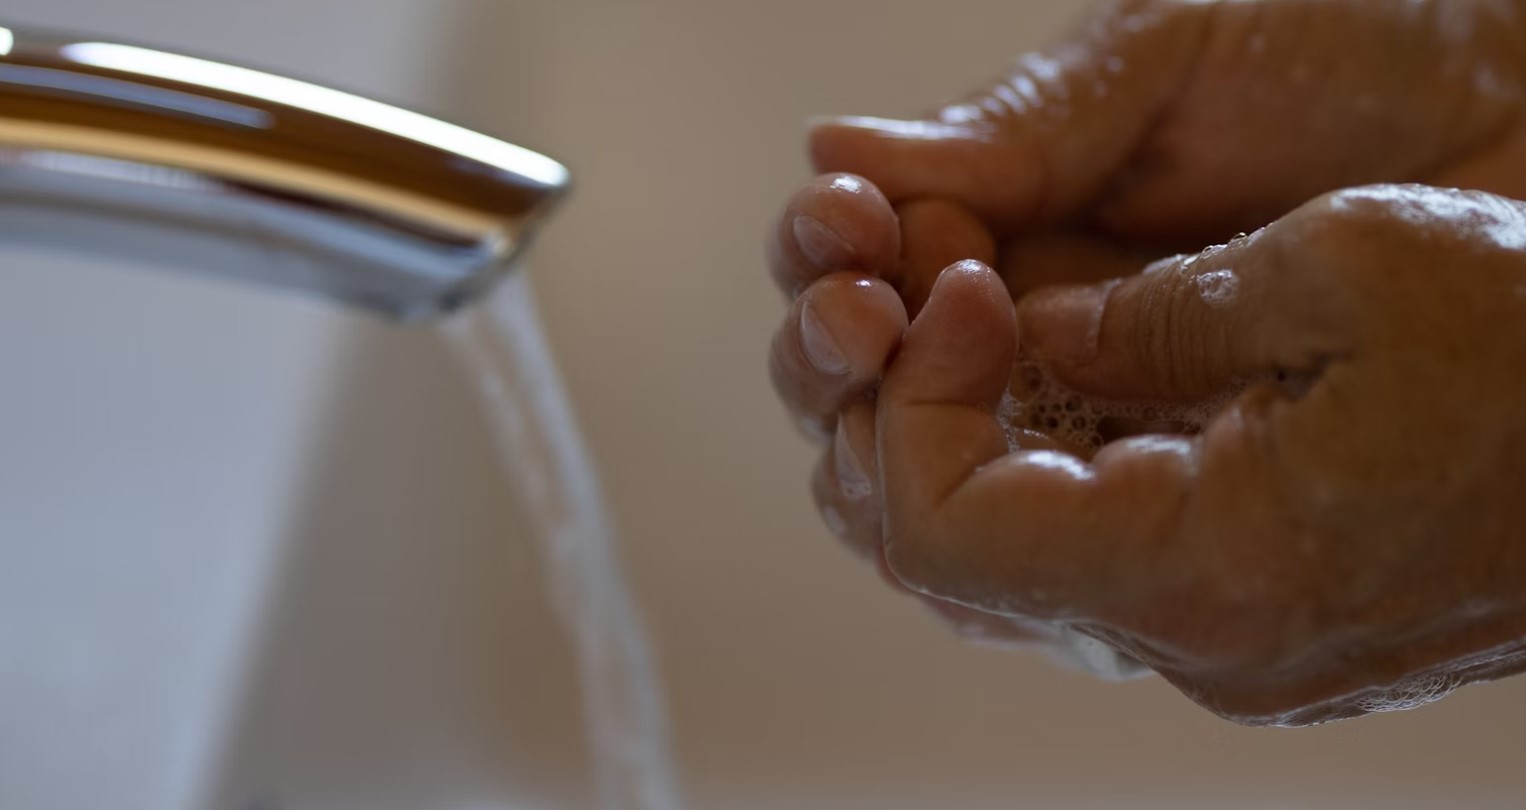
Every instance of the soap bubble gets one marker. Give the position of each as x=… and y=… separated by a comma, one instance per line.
x=1038, y=403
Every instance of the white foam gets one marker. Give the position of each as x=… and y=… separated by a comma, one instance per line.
x=1094, y=657
x=1218, y=289
x=1039, y=403
x=1421, y=690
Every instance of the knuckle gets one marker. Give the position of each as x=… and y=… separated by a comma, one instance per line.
x=1328, y=226
x=1366, y=206
x=1164, y=329
x=1394, y=216
x=1375, y=237
x=1338, y=236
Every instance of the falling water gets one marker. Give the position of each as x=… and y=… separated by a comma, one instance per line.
x=501, y=345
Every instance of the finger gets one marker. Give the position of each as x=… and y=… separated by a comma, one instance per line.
x=937, y=409
x=1191, y=328
x=834, y=346
x=1041, y=143
x=1034, y=532
x=1032, y=261
x=835, y=223
x=934, y=235
x=844, y=486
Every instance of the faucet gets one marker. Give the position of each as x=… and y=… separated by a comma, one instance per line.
x=177, y=161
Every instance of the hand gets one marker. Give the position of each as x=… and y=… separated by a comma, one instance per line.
x=846, y=252
x=1179, y=123
x=1161, y=123
x=1342, y=538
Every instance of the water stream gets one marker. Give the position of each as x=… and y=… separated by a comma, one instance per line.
x=500, y=344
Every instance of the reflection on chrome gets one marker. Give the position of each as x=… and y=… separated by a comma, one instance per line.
x=330, y=102
x=177, y=161
x=133, y=94
x=106, y=168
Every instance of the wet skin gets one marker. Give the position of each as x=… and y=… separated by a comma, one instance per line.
x=1344, y=535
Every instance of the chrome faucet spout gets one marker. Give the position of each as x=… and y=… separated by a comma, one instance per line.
x=178, y=161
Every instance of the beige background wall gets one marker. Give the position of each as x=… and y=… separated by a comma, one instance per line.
x=795, y=679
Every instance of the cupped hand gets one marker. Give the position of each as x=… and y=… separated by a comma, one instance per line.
x=1342, y=538
x=852, y=264
x=1338, y=540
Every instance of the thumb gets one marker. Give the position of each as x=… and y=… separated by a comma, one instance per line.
x=1190, y=327
x=1044, y=141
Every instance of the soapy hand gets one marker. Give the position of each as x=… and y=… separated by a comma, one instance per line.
x=1322, y=527
x=1343, y=535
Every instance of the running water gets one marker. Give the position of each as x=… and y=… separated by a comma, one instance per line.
x=501, y=345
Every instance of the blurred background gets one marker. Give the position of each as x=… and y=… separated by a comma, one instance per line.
x=256, y=553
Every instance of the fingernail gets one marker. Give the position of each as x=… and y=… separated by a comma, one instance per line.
x=851, y=478
x=1064, y=323
x=821, y=245
x=820, y=347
